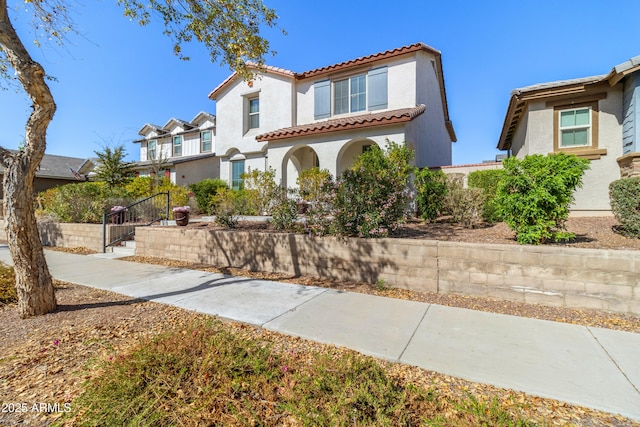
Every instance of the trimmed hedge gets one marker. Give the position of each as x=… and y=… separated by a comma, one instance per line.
x=624, y=195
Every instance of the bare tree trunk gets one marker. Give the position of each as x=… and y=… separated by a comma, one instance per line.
x=33, y=282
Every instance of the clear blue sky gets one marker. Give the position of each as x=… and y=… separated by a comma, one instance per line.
x=118, y=76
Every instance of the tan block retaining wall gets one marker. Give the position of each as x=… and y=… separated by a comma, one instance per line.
x=70, y=235
x=567, y=277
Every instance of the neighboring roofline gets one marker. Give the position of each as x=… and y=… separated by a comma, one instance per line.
x=520, y=97
x=384, y=118
x=183, y=123
x=208, y=116
x=171, y=161
x=150, y=126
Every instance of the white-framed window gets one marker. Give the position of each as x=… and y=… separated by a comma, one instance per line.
x=177, y=145
x=254, y=113
x=151, y=149
x=575, y=127
x=362, y=92
x=237, y=169
x=205, y=141
x=350, y=95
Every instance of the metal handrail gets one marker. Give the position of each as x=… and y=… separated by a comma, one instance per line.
x=142, y=213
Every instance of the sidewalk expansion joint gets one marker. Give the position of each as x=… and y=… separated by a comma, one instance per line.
x=415, y=330
x=291, y=310
x=614, y=361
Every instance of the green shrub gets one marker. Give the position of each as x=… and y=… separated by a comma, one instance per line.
x=625, y=204
x=488, y=181
x=319, y=213
x=431, y=189
x=372, y=197
x=146, y=186
x=82, y=202
x=8, y=294
x=226, y=207
x=204, y=190
x=284, y=212
x=465, y=205
x=261, y=190
x=311, y=183
x=535, y=195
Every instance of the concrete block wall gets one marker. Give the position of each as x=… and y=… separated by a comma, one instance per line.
x=405, y=263
x=71, y=235
x=555, y=276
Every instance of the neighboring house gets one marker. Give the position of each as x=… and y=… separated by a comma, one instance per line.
x=183, y=151
x=597, y=118
x=58, y=170
x=326, y=117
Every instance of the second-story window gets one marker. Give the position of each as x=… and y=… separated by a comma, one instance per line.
x=205, y=141
x=151, y=149
x=177, y=145
x=364, y=92
x=350, y=95
x=254, y=113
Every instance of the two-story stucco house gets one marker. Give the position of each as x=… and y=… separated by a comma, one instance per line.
x=594, y=117
x=326, y=117
x=184, y=151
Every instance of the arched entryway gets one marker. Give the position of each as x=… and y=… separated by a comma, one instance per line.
x=296, y=160
x=350, y=151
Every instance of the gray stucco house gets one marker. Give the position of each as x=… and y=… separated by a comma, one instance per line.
x=596, y=117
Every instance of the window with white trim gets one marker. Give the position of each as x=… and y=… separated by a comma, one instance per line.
x=177, y=145
x=254, y=113
x=205, y=141
x=151, y=149
x=575, y=127
x=362, y=92
x=350, y=95
x=237, y=169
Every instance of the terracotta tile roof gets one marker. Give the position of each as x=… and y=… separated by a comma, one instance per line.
x=345, y=123
x=269, y=68
x=368, y=59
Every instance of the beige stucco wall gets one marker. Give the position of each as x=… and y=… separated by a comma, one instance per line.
x=196, y=170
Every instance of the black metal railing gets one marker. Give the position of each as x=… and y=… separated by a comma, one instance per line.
x=123, y=220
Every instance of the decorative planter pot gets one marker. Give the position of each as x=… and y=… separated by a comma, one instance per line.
x=182, y=218
x=119, y=218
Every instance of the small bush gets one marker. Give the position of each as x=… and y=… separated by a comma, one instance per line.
x=431, y=189
x=535, y=195
x=625, y=204
x=311, y=183
x=145, y=186
x=261, y=190
x=81, y=203
x=228, y=206
x=488, y=181
x=465, y=205
x=204, y=190
x=284, y=212
x=8, y=294
x=372, y=197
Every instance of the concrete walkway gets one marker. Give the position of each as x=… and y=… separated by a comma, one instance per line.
x=592, y=367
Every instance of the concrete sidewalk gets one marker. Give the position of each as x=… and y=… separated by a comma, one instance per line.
x=592, y=367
